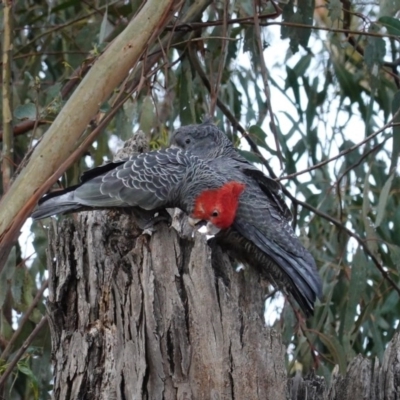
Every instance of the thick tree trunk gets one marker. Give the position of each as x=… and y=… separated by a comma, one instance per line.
x=160, y=317
x=164, y=317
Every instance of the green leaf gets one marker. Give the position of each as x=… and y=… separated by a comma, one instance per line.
x=356, y=288
x=383, y=197
x=375, y=51
x=303, y=15
x=394, y=255
x=377, y=336
x=185, y=94
x=250, y=156
x=6, y=275
x=17, y=284
x=287, y=31
x=105, y=28
x=335, y=10
x=391, y=24
x=53, y=92
x=25, y=111
x=105, y=107
x=64, y=5
x=147, y=115
x=29, y=285
x=258, y=135
x=33, y=381
x=124, y=122
x=372, y=239
x=348, y=85
x=388, y=7
x=301, y=67
x=335, y=349
x=291, y=81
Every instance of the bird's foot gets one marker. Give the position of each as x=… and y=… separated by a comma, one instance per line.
x=145, y=219
x=161, y=216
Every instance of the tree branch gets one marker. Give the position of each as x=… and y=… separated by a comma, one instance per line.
x=7, y=166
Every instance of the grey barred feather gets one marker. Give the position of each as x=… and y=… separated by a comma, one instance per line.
x=151, y=181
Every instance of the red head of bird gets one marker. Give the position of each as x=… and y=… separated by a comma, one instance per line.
x=219, y=206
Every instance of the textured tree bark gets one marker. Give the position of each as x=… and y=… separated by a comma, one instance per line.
x=364, y=380
x=160, y=317
x=166, y=317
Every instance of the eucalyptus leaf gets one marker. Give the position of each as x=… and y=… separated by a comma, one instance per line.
x=26, y=111
x=391, y=24
x=383, y=198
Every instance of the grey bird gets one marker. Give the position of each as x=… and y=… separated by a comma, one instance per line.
x=261, y=235
x=151, y=181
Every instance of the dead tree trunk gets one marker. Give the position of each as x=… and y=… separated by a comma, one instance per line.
x=160, y=317
x=164, y=317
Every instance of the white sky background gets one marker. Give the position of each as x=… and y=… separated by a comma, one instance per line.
x=276, y=56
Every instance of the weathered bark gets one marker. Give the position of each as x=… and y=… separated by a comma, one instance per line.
x=165, y=317
x=364, y=380
x=160, y=317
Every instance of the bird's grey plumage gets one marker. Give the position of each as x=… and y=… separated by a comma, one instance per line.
x=261, y=235
x=151, y=181
x=208, y=142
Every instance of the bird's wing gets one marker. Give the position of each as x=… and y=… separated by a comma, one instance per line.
x=149, y=180
x=270, y=187
x=146, y=180
x=285, y=250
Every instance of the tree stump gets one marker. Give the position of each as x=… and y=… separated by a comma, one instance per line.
x=160, y=317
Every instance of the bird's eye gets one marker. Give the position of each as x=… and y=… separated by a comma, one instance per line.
x=187, y=141
x=215, y=213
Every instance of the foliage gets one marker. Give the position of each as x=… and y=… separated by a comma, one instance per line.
x=302, y=98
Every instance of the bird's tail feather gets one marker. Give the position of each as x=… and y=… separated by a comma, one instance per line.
x=60, y=204
x=305, y=284
x=302, y=278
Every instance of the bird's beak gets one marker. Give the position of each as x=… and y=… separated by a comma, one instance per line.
x=203, y=227
x=194, y=221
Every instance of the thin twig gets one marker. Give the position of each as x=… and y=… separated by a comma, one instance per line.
x=22, y=350
x=356, y=164
x=24, y=319
x=340, y=225
x=390, y=124
x=267, y=91
x=224, y=47
x=250, y=21
x=24, y=127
